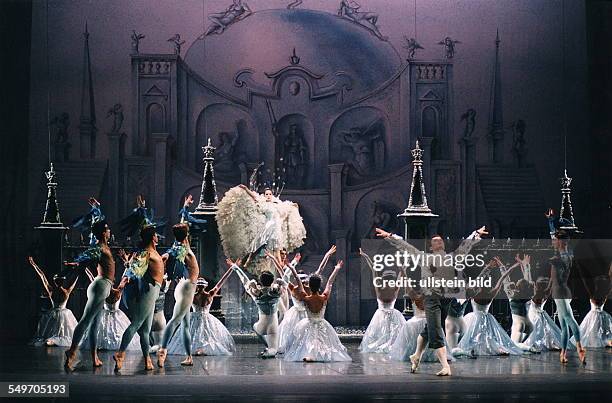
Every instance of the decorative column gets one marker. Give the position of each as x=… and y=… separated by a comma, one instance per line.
x=87, y=121
x=51, y=230
x=417, y=215
x=496, y=117
x=209, y=240
x=468, y=157
x=566, y=213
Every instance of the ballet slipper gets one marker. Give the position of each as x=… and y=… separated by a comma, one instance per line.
x=70, y=359
x=148, y=363
x=445, y=371
x=187, y=362
x=414, y=363
x=308, y=359
x=119, y=357
x=161, y=357
x=562, y=358
x=49, y=343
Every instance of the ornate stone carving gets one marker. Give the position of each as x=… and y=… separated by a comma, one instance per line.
x=350, y=10
x=449, y=47
x=236, y=11
x=177, y=42
x=117, y=113
x=411, y=46
x=136, y=38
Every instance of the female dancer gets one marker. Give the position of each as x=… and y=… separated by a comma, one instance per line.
x=520, y=294
x=315, y=340
x=266, y=296
x=298, y=311
x=560, y=267
x=387, y=321
x=56, y=326
x=113, y=322
x=596, y=327
x=208, y=335
x=483, y=334
x=546, y=335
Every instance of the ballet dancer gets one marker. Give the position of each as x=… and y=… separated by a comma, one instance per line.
x=266, y=296
x=298, y=311
x=56, y=326
x=483, y=334
x=83, y=223
x=146, y=274
x=113, y=322
x=387, y=321
x=183, y=267
x=596, y=327
x=208, y=335
x=97, y=292
x=545, y=335
x=315, y=340
x=436, y=304
x=560, y=267
x=519, y=294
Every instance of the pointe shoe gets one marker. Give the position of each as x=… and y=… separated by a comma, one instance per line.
x=445, y=371
x=69, y=361
x=269, y=353
x=563, y=359
x=414, y=363
x=161, y=357
x=187, y=362
x=119, y=356
x=148, y=363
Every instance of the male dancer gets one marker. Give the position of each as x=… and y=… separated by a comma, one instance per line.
x=97, y=292
x=266, y=296
x=436, y=302
x=184, y=266
x=146, y=274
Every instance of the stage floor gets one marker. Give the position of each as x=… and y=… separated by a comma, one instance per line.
x=244, y=377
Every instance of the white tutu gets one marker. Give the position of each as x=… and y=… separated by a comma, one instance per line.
x=287, y=326
x=484, y=335
x=383, y=329
x=56, y=327
x=596, y=328
x=316, y=339
x=113, y=323
x=208, y=336
x=546, y=335
x=405, y=342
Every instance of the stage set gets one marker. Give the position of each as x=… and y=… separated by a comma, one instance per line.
x=206, y=183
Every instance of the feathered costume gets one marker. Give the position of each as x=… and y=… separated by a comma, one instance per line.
x=83, y=223
x=246, y=225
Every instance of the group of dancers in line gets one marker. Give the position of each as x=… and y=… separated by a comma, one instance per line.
x=439, y=330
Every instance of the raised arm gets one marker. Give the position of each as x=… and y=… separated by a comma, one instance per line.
x=74, y=283
x=323, y=263
x=221, y=281
x=249, y=192
x=468, y=243
x=550, y=217
x=332, y=278
x=41, y=274
x=397, y=241
x=368, y=260
x=497, y=287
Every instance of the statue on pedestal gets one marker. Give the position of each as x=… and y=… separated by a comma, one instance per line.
x=136, y=38
x=349, y=9
x=117, y=113
x=237, y=11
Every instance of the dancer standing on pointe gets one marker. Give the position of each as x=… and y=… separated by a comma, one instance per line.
x=97, y=292
x=183, y=266
x=560, y=266
x=387, y=321
x=436, y=303
x=56, y=326
x=266, y=296
x=315, y=340
x=146, y=274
